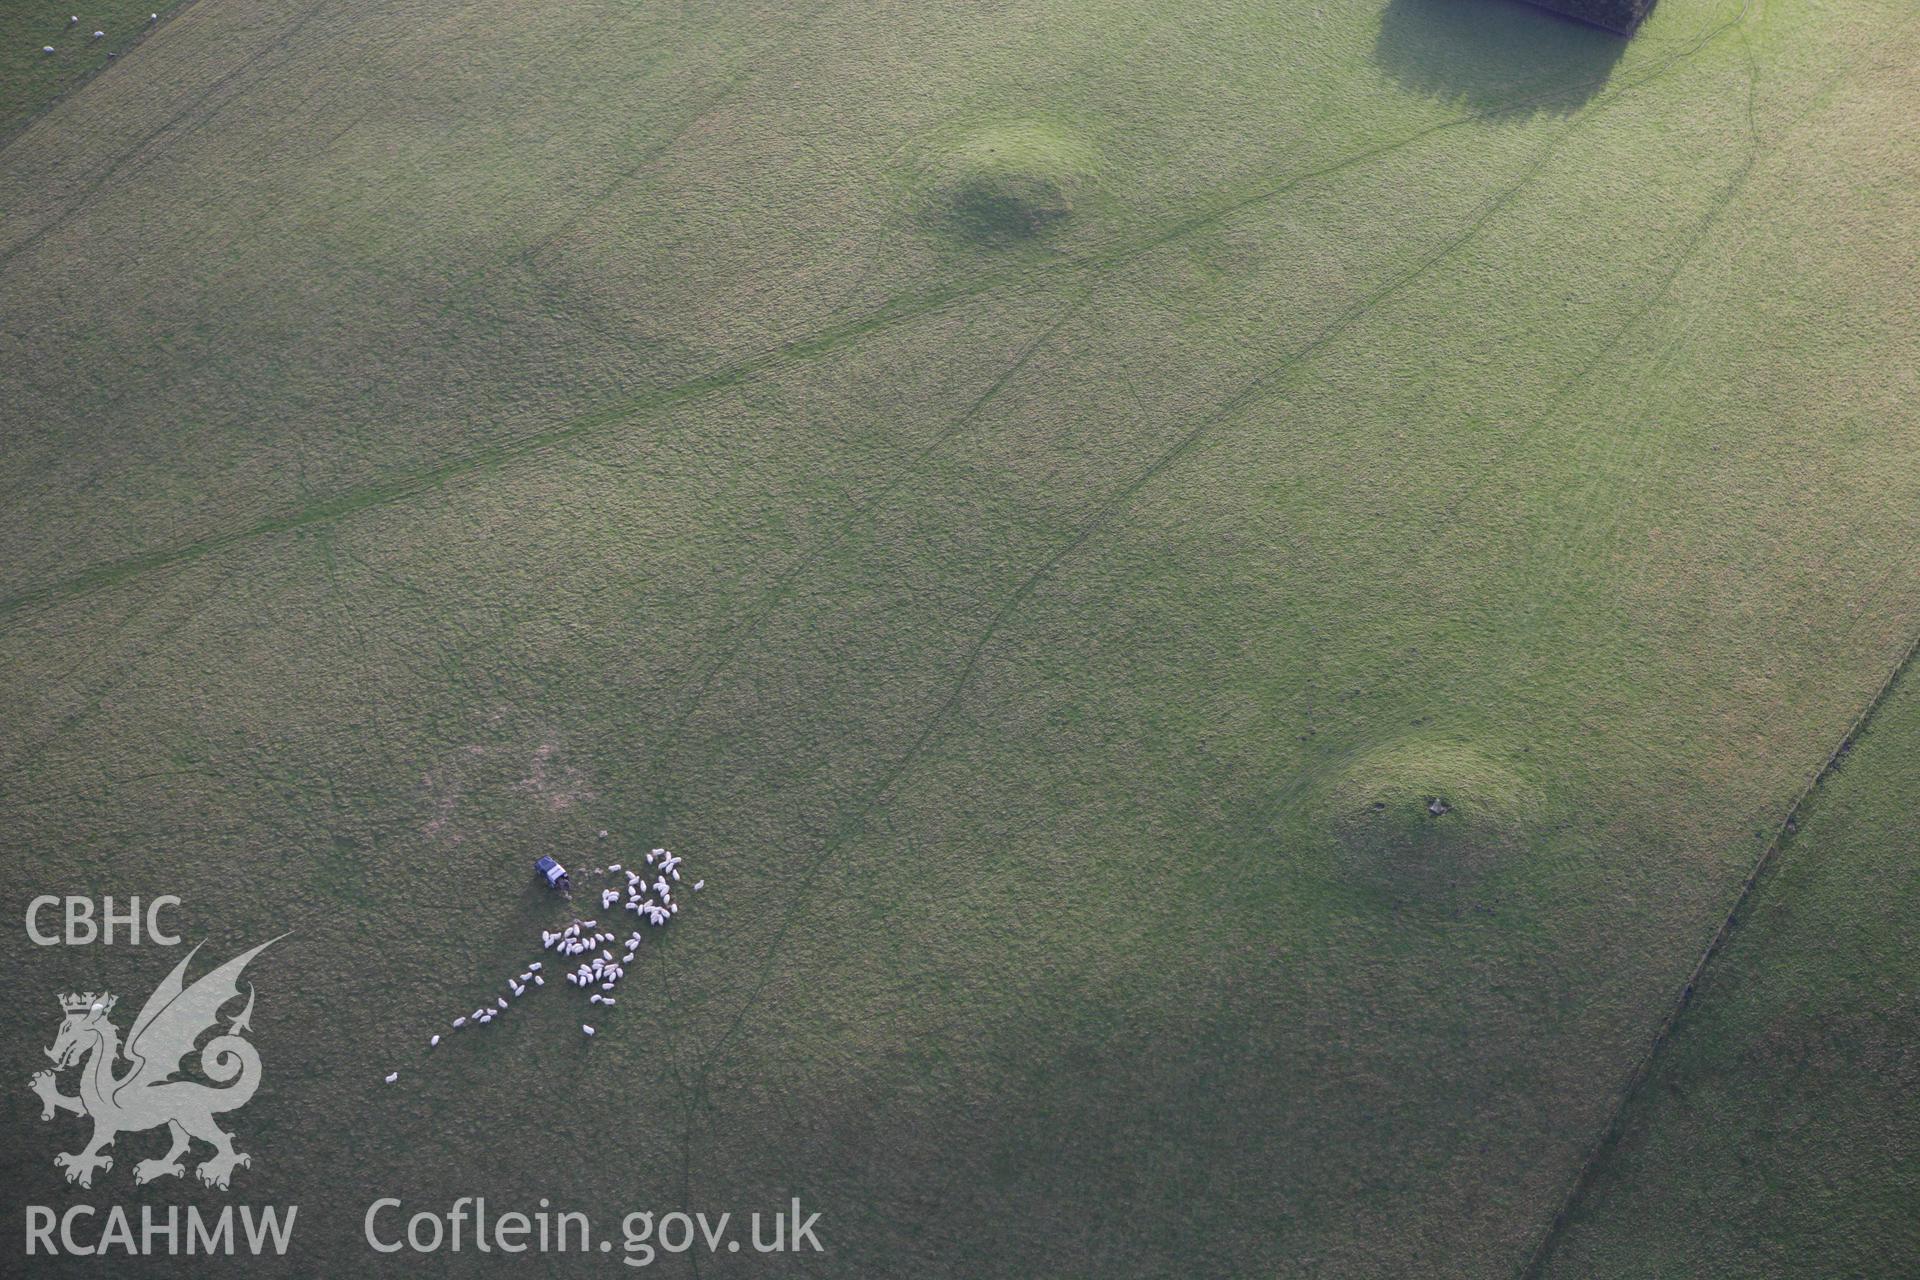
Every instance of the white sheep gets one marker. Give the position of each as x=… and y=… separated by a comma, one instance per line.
x=392, y=1077
x=698, y=885
x=460, y=1021
x=434, y=1042
x=99, y=35
x=584, y=1027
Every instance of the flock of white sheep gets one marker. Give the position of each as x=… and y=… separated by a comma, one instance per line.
x=598, y=971
x=73, y=20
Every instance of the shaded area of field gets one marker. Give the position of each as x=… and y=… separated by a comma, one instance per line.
x=1777, y=1134
x=438, y=432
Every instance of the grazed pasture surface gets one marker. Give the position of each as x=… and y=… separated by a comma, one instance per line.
x=30, y=78
x=436, y=432
x=1777, y=1136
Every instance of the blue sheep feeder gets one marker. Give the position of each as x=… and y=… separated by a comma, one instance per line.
x=552, y=872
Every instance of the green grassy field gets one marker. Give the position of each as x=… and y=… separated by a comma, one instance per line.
x=30, y=77
x=1004, y=489
x=1777, y=1135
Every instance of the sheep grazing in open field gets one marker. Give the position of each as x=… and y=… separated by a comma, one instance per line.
x=698, y=885
x=392, y=1076
x=99, y=35
x=584, y=1027
x=613, y=868
x=47, y=49
x=433, y=1042
x=534, y=967
x=460, y=1021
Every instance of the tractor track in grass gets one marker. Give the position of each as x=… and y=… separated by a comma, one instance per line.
x=528, y=251
x=1541, y=1257
x=65, y=213
x=12, y=133
x=899, y=310
x=856, y=822
x=776, y=593
x=1608, y=1140
x=1255, y=389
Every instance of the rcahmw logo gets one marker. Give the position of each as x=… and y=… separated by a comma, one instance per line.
x=147, y=1095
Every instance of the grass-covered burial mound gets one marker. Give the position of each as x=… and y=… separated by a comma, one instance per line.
x=1007, y=183
x=1428, y=813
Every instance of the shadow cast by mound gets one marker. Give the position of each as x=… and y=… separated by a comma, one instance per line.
x=1505, y=58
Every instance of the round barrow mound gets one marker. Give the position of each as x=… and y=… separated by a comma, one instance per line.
x=1009, y=183
x=1419, y=814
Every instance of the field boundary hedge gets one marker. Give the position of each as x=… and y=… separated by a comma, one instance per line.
x=1789, y=825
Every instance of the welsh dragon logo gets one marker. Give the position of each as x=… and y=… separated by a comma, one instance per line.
x=146, y=1095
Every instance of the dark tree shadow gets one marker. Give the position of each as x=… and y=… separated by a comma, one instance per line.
x=1503, y=57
